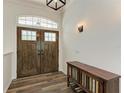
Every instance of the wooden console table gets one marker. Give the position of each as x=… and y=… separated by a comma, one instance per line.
x=83, y=78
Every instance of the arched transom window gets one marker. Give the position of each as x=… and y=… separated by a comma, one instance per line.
x=37, y=21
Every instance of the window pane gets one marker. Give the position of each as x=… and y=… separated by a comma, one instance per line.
x=21, y=18
x=24, y=32
x=28, y=18
x=50, y=36
x=29, y=33
x=29, y=22
x=36, y=21
x=21, y=22
x=53, y=39
x=34, y=38
x=46, y=39
x=29, y=37
x=33, y=33
x=24, y=37
x=46, y=34
x=49, y=22
x=53, y=35
x=43, y=20
x=50, y=39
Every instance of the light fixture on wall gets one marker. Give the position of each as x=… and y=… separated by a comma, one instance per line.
x=55, y=4
x=80, y=28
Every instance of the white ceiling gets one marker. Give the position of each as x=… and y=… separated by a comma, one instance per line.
x=39, y=2
x=42, y=2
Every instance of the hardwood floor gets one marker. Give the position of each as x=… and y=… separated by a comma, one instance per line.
x=44, y=83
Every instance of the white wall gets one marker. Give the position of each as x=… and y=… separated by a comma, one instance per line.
x=7, y=72
x=13, y=9
x=100, y=43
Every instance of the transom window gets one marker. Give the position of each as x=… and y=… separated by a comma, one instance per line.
x=50, y=36
x=37, y=21
x=28, y=35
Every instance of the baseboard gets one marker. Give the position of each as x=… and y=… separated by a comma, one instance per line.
x=7, y=86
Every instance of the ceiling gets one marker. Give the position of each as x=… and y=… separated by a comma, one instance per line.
x=42, y=2
x=39, y=2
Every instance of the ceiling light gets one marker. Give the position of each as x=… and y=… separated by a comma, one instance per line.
x=55, y=4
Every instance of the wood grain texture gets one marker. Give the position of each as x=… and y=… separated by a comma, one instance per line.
x=31, y=58
x=102, y=81
x=51, y=54
x=94, y=71
x=28, y=61
x=45, y=83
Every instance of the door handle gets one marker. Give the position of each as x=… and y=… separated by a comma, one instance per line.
x=38, y=48
x=42, y=48
x=42, y=52
x=38, y=52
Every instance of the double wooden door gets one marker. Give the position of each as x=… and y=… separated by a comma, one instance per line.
x=37, y=51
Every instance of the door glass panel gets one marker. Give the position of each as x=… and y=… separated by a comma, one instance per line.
x=53, y=35
x=24, y=33
x=46, y=34
x=50, y=39
x=28, y=35
x=50, y=36
x=33, y=37
x=46, y=38
x=53, y=39
x=33, y=33
x=24, y=37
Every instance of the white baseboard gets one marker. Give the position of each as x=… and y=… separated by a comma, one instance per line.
x=7, y=86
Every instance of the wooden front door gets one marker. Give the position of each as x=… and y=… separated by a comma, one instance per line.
x=37, y=51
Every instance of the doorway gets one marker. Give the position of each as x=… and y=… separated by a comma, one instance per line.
x=37, y=51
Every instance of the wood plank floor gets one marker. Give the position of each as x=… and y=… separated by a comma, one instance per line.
x=45, y=83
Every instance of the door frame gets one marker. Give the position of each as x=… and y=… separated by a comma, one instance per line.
x=37, y=29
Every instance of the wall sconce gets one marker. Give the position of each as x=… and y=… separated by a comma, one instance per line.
x=80, y=28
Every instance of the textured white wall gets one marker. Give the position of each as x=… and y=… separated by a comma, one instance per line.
x=100, y=43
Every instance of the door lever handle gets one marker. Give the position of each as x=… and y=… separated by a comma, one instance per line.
x=38, y=48
x=38, y=52
x=42, y=52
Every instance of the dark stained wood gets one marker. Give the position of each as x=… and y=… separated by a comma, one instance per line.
x=112, y=86
x=95, y=71
x=105, y=82
x=50, y=56
x=30, y=60
x=101, y=88
x=49, y=83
